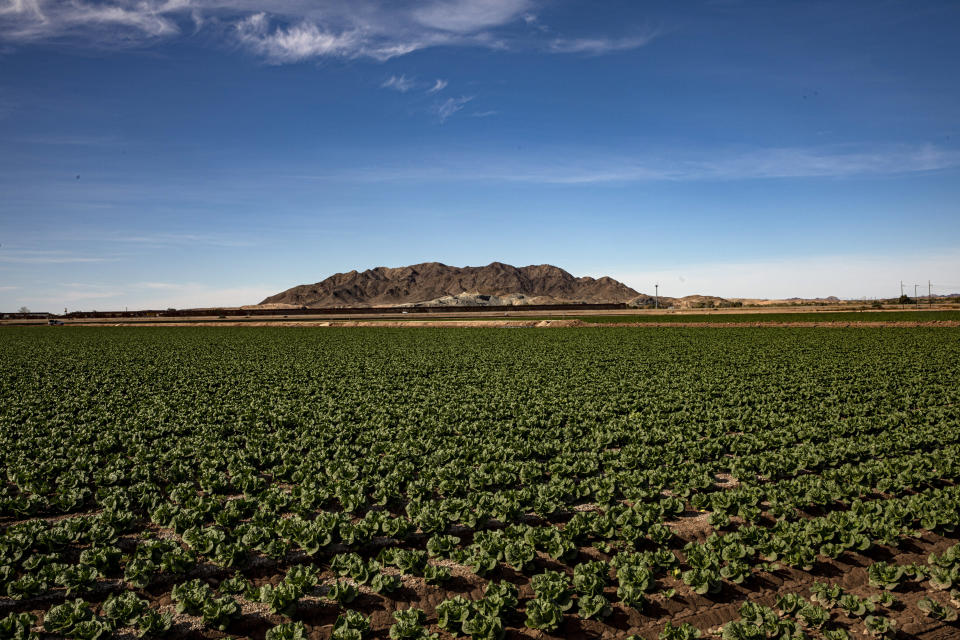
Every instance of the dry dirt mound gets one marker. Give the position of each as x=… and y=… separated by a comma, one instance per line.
x=477, y=299
x=477, y=324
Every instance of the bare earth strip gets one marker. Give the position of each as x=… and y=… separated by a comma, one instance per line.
x=517, y=324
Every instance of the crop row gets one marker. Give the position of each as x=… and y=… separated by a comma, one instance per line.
x=275, y=468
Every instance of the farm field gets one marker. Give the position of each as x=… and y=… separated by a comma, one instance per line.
x=777, y=317
x=394, y=483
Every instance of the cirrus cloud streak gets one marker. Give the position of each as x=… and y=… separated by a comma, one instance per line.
x=753, y=164
x=288, y=31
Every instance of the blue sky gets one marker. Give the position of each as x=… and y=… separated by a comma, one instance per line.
x=207, y=152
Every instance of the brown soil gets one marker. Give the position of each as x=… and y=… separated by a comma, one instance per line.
x=523, y=324
x=931, y=323
x=691, y=525
x=726, y=481
x=703, y=612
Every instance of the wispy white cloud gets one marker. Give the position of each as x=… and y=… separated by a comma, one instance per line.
x=450, y=106
x=167, y=239
x=598, y=46
x=399, y=83
x=72, y=140
x=484, y=114
x=295, y=43
x=827, y=162
x=120, y=21
x=438, y=86
x=544, y=168
x=532, y=20
x=31, y=256
x=469, y=16
x=288, y=31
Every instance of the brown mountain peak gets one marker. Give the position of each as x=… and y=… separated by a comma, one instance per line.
x=427, y=281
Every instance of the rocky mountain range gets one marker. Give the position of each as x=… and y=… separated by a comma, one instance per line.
x=436, y=284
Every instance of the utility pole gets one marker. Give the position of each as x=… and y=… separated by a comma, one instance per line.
x=929, y=296
x=656, y=295
x=915, y=293
x=901, y=294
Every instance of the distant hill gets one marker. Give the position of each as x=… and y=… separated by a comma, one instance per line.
x=438, y=284
x=433, y=284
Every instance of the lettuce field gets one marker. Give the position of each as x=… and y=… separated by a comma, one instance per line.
x=282, y=483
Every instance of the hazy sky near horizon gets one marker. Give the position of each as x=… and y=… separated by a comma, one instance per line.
x=175, y=153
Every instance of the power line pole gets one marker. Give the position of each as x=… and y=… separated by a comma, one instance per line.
x=901, y=294
x=656, y=295
x=929, y=296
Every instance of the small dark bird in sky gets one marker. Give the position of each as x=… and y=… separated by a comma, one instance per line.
x=78, y=177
